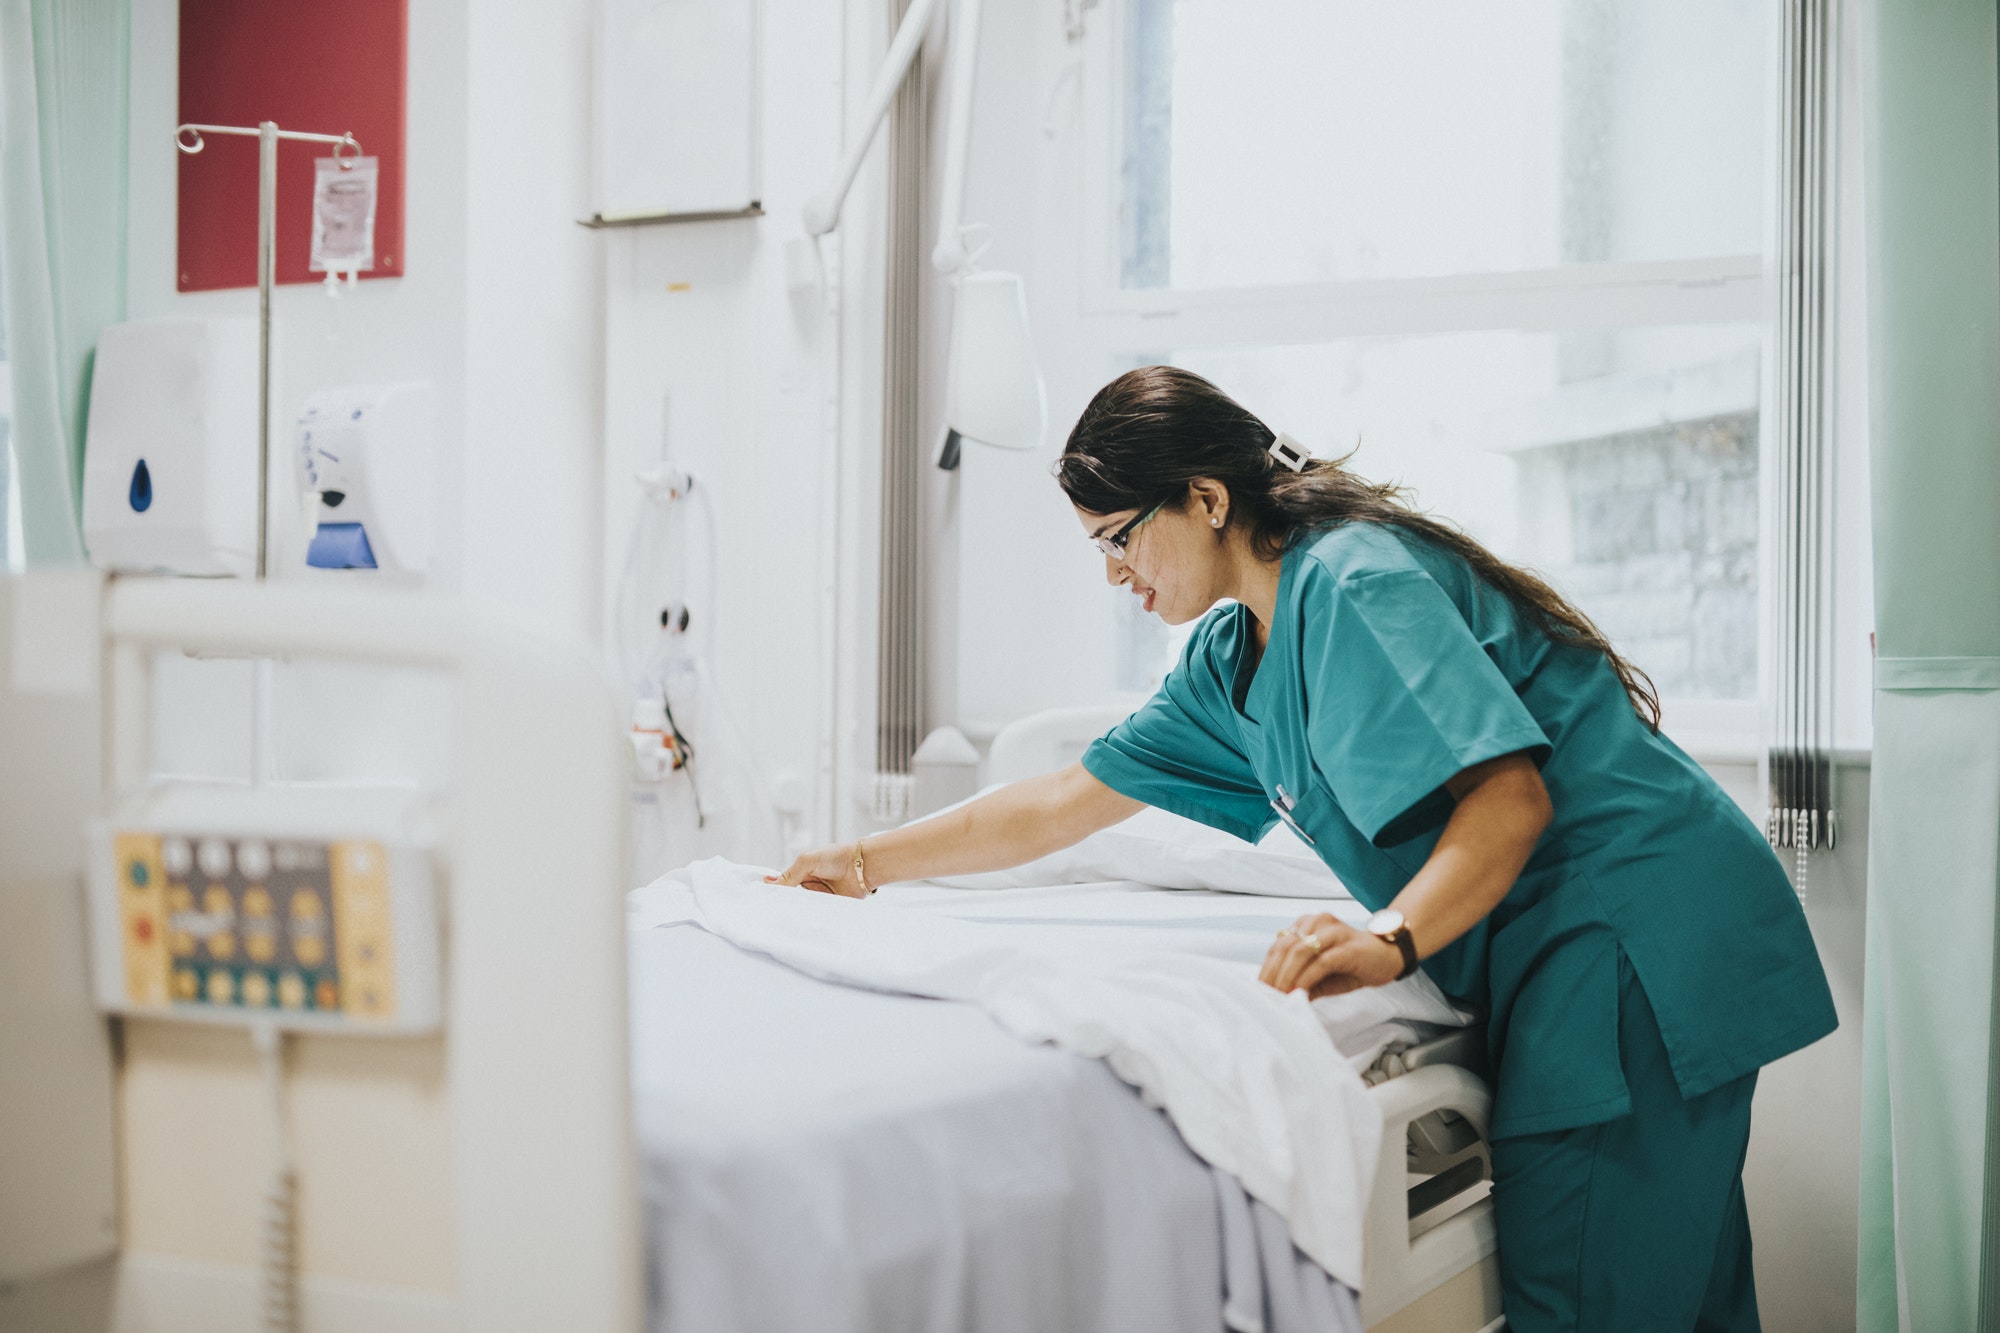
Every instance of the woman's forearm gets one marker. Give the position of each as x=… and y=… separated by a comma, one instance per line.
x=1018, y=823
x=1501, y=812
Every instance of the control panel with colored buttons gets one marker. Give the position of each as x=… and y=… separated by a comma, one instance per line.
x=307, y=931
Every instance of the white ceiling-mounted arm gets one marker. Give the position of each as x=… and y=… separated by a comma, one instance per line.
x=951, y=256
x=822, y=212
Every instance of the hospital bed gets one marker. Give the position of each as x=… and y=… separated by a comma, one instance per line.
x=738, y=1076
x=817, y=1154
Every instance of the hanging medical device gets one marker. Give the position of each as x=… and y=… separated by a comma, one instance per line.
x=363, y=459
x=170, y=457
x=189, y=138
x=696, y=787
x=994, y=391
x=343, y=234
x=653, y=638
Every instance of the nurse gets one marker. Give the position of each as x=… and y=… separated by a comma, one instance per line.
x=1479, y=766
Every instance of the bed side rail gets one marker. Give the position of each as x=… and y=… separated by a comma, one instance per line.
x=1408, y=1254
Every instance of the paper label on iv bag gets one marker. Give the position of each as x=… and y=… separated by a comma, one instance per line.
x=343, y=235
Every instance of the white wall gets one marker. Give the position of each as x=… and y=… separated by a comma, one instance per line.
x=533, y=315
x=711, y=351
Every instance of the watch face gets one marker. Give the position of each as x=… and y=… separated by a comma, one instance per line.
x=1385, y=922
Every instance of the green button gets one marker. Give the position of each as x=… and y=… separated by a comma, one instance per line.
x=139, y=874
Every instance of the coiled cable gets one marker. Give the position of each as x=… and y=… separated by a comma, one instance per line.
x=278, y=1225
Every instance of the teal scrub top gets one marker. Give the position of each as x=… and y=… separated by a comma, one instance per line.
x=1392, y=667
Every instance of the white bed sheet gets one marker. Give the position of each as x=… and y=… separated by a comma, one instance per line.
x=860, y=1160
x=822, y=1157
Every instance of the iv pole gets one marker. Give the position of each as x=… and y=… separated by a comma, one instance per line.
x=188, y=138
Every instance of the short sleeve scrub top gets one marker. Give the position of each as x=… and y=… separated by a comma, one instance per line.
x=1390, y=668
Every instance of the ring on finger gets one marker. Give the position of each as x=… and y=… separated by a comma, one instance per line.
x=1311, y=940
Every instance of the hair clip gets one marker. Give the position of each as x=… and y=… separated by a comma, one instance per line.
x=1290, y=452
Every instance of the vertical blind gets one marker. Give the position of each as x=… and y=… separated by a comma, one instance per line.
x=899, y=681
x=1800, y=760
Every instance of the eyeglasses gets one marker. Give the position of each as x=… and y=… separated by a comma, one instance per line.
x=1114, y=545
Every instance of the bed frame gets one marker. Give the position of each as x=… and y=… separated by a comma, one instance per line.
x=1429, y=1238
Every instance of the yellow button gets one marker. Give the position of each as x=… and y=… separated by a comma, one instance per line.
x=309, y=949
x=221, y=987
x=291, y=990
x=256, y=902
x=222, y=945
x=261, y=945
x=187, y=985
x=256, y=990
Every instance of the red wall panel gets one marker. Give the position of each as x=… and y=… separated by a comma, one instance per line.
x=320, y=66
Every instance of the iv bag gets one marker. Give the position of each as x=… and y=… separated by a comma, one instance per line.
x=343, y=237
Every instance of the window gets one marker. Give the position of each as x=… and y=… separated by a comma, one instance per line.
x=1509, y=251
x=1634, y=490
x=1297, y=141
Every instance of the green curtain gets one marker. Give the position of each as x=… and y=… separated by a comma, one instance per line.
x=63, y=94
x=1927, y=1255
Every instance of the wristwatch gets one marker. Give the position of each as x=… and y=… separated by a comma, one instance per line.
x=1389, y=926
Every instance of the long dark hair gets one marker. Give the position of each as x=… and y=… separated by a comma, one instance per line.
x=1152, y=432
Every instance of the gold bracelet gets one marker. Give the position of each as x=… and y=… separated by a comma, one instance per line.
x=861, y=868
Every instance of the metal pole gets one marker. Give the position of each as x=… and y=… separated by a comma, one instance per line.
x=267, y=253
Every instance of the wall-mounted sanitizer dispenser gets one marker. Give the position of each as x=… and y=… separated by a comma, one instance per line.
x=364, y=460
x=170, y=457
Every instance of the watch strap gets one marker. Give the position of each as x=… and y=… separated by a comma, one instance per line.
x=1406, y=943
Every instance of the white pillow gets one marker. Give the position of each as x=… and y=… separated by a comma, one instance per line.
x=1164, y=850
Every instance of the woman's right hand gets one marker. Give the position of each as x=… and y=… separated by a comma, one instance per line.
x=824, y=870
x=1008, y=827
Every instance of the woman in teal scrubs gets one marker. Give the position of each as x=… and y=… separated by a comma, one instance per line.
x=1477, y=764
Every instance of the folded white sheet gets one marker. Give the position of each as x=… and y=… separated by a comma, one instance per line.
x=1248, y=1075
x=1232, y=926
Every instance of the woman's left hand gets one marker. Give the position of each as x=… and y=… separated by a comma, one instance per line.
x=1323, y=955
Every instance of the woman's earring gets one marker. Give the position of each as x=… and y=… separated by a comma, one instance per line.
x=1215, y=522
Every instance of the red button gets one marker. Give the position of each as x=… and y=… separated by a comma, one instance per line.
x=142, y=929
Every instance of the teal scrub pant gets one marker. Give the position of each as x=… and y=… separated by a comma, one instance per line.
x=1636, y=1224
